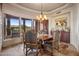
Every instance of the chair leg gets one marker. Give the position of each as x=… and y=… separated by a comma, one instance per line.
x=37, y=52
x=26, y=51
x=51, y=53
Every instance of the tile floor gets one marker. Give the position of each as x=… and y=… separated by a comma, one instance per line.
x=15, y=51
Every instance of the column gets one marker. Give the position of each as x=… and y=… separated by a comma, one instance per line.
x=0, y=29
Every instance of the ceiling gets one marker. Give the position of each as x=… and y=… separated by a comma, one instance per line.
x=45, y=6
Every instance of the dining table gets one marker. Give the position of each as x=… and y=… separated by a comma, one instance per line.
x=46, y=42
x=44, y=37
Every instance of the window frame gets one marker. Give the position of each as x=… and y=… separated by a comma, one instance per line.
x=8, y=17
x=33, y=26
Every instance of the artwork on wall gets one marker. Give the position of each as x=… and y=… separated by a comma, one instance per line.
x=61, y=23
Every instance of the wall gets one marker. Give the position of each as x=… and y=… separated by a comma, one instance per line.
x=0, y=29
x=75, y=26
x=78, y=27
x=51, y=24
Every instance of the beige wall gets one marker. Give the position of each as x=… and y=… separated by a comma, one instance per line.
x=75, y=26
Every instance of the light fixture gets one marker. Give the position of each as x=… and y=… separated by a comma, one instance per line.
x=42, y=16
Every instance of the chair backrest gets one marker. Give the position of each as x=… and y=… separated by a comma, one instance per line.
x=30, y=36
x=56, y=39
x=57, y=35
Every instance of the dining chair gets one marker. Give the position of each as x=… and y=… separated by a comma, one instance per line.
x=30, y=42
x=56, y=40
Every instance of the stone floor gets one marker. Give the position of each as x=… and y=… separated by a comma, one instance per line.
x=17, y=50
x=13, y=51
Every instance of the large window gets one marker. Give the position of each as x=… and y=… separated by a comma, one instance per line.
x=12, y=28
x=26, y=24
x=15, y=26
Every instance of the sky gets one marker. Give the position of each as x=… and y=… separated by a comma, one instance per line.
x=16, y=22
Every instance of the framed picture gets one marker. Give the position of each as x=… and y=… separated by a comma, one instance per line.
x=61, y=23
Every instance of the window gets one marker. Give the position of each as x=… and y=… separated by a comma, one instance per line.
x=12, y=28
x=26, y=24
x=15, y=27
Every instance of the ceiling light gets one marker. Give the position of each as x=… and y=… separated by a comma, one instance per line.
x=42, y=16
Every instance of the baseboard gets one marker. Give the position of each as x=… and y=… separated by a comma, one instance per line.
x=11, y=45
x=11, y=42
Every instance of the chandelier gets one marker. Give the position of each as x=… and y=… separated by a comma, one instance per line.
x=42, y=16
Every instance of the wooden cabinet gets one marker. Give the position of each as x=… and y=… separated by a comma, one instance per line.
x=65, y=37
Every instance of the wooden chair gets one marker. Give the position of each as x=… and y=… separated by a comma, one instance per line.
x=30, y=42
x=49, y=46
x=53, y=44
x=56, y=40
